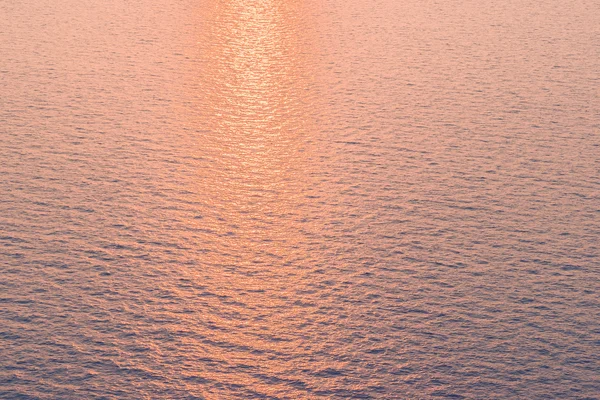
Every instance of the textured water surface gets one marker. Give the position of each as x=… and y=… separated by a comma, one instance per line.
x=286, y=199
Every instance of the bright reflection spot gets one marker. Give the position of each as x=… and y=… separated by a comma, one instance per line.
x=254, y=119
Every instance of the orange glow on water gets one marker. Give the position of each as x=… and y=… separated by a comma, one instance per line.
x=298, y=199
x=257, y=97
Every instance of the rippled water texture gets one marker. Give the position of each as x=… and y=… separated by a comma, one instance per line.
x=288, y=199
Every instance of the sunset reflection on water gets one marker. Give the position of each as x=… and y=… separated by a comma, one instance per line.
x=257, y=105
x=258, y=102
x=234, y=199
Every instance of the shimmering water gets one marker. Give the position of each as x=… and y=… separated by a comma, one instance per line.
x=287, y=199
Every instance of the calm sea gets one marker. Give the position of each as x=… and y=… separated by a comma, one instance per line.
x=299, y=199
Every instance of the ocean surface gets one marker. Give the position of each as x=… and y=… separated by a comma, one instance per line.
x=299, y=199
